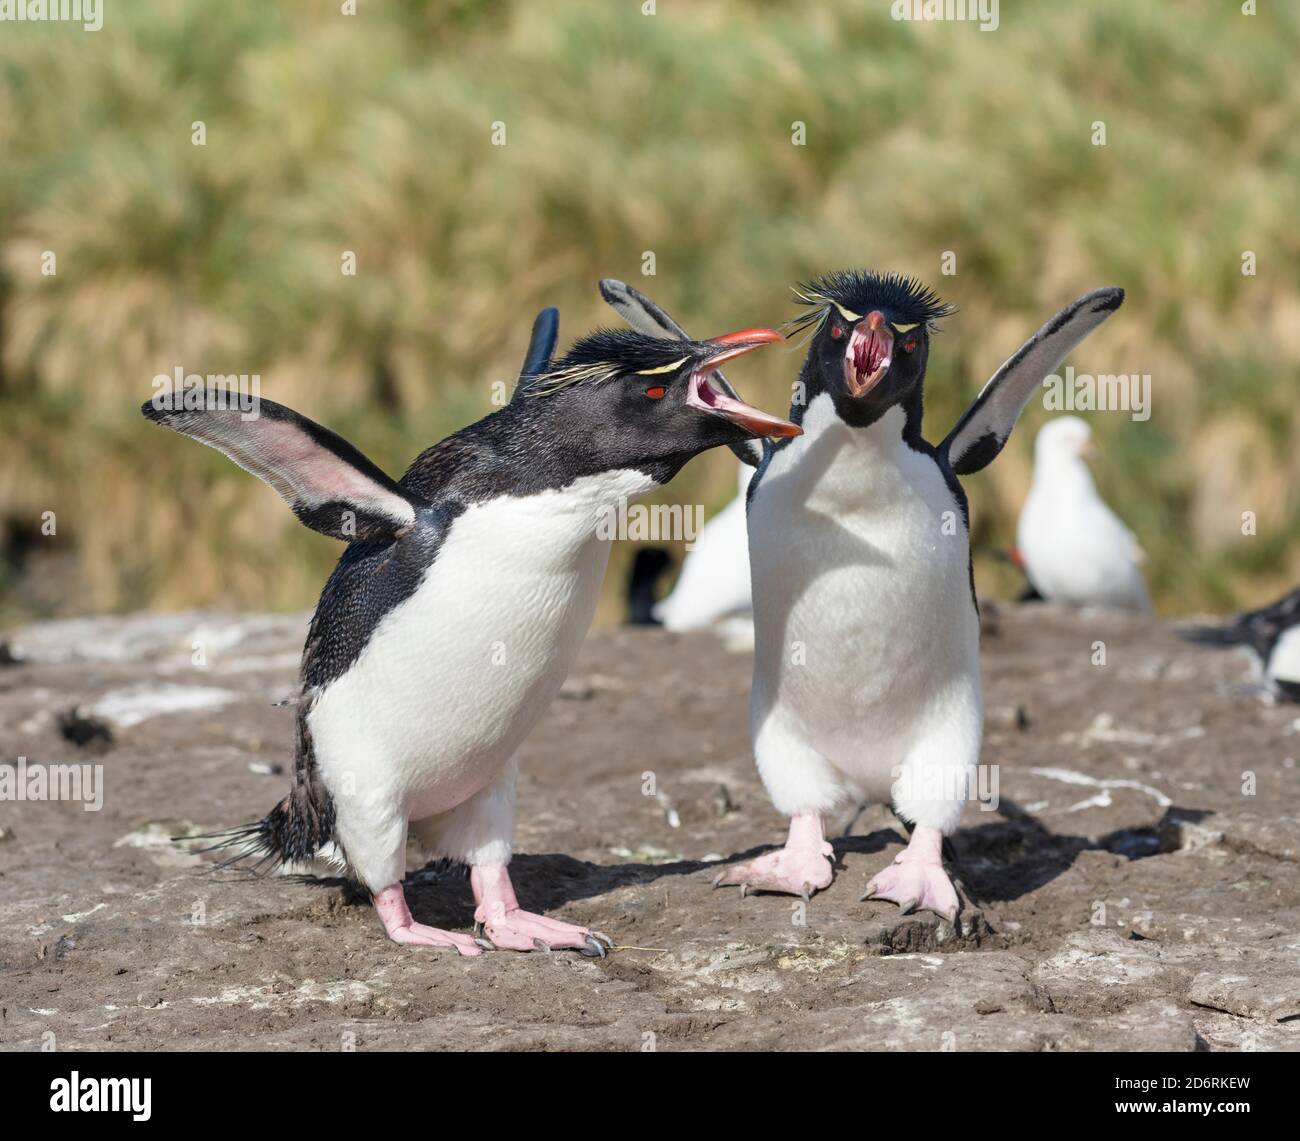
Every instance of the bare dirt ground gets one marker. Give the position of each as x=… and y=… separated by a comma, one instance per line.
x=1136, y=892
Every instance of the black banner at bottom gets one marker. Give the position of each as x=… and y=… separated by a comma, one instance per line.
x=143, y=1090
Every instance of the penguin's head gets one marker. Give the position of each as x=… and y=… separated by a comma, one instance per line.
x=870, y=339
x=643, y=399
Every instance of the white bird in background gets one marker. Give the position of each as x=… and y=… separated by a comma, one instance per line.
x=714, y=585
x=1075, y=549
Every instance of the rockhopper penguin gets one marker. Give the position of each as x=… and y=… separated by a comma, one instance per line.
x=1271, y=635
x=458, y=608
x=866, y=668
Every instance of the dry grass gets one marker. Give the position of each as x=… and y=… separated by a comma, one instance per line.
x=625, y=133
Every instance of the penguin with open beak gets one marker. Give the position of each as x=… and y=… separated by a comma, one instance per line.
x=458, y=608
x=866, y=666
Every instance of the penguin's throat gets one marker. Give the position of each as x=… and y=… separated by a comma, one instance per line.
x=867, y=358
x=710, y=393
x=708, y=389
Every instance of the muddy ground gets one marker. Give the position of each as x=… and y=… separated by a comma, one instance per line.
x=1137, y=884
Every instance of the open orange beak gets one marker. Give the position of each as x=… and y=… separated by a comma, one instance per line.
x=709, y=392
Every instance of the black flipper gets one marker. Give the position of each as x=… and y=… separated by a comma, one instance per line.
x=1259, y=629
x=646, y=317
x=1232, y=635
x=328, y=483
x=981, y=433
x=639, y=311
x=541, y=347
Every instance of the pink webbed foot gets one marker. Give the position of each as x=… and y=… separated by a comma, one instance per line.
x=802, y=867
x=916, y=880
x=417, y=934
x=795, y=871
x=520, y=930
x=510, y=928
x=396, y=916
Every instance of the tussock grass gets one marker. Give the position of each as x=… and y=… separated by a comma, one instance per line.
x=625, y=133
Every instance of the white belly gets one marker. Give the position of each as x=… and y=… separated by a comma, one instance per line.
x=866, y=633
x=457, y=675
x=1284, y=662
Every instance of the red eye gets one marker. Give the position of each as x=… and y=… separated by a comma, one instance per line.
x=909, y=344
x=837, y=332
x=656, y=392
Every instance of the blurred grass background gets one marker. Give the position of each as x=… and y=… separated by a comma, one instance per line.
x=626, y=133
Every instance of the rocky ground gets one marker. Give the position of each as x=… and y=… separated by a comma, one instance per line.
x=1136, y=881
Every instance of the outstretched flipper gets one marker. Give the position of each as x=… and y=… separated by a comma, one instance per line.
x=646, y=317
x=980, y=434
x=328, y=483
x=639, y=311
x=541, y=347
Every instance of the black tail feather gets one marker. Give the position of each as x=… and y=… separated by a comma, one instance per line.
x=293, y=832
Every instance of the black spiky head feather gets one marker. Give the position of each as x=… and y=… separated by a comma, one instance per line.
x=903, y=300
x=609, y=353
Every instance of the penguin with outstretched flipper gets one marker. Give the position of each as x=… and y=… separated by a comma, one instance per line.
x=866, y=667
x=458, y=608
